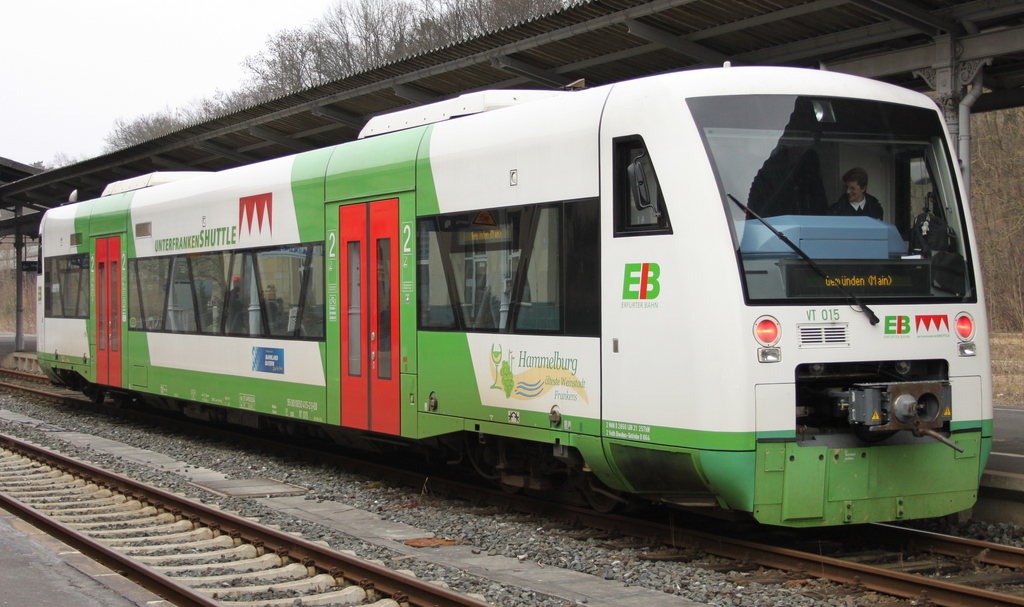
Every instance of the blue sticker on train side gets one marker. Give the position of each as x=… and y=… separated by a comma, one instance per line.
x=268, y=360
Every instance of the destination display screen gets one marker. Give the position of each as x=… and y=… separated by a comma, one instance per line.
x=862, y=277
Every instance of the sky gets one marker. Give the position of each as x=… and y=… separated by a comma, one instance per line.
x=70, y=68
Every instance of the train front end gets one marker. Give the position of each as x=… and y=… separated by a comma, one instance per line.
x=831, y=362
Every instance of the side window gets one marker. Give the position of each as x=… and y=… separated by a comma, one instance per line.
x=243, y=291
x=76, y=279
x=276, y=292
x=581, y=231
x=181, y=303
x=66, y=284
x=280, y=272
x=51, y=284
x=540, y=306
x=147, y=293
x=472, y=276
x=433, y=270
x=639, y=204
x=526, y=269
x=209, y=275
x=310, y=323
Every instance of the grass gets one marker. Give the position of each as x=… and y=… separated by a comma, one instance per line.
x=1008, y=369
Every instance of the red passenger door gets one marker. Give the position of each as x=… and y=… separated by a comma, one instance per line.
x=108, y=311
x=369, y=327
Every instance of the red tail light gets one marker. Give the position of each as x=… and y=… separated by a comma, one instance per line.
x=766, y=331
x=964, y=326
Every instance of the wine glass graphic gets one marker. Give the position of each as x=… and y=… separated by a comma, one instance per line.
x=496, y=359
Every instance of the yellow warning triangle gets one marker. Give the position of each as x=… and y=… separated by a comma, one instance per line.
x=484, y=218
x=876, y=416
x=947, y=412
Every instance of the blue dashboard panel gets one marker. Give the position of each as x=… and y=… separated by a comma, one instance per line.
x=823, y=237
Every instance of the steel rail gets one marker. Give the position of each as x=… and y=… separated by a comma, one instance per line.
x=882, y=580
x=26, y=376
x=805, y=564
x=400, y=587
x=161, y=585
x=64, y=399
x=141, y=575
x=958, y=547
x=857, y=574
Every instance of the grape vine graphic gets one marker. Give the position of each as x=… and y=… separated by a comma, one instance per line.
x=507, y=380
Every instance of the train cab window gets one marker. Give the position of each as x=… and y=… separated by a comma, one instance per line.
x=639, y=203
x=787, y=163
x=507, y=270
x=66, y=283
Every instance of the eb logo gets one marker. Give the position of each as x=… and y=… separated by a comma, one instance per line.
x=641, y=281
x=933, y=324
x=897, y=325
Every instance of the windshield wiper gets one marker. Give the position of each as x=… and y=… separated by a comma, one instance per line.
x=810, y=262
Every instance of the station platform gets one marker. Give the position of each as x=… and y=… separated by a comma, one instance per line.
x=38, y=570
x=24, y=360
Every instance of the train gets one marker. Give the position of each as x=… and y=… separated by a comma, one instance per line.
x=658, y=290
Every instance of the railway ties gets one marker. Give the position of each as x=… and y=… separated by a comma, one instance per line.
x=887, y=574
x=189, y=553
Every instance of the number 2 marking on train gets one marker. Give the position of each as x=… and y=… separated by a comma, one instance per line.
x=407, y=232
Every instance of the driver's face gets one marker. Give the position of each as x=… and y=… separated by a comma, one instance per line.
x=854, y=193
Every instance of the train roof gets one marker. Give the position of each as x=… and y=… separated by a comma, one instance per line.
x=145, y=181
x=463, y=105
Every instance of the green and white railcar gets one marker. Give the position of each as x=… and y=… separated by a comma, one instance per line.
x=573, y=290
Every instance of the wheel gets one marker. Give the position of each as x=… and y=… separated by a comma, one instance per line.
x=122, y=401
x=94, y=393
x=510, y=489
x=601, y=498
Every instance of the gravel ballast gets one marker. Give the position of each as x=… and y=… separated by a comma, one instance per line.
x=522, y=538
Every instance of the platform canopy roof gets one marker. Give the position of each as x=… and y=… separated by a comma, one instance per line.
x=590, y=42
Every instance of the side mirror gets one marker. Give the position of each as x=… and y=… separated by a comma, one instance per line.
x=638, y=185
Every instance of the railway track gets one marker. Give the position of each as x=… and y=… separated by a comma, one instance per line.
x=926, y=567
x=189, y=553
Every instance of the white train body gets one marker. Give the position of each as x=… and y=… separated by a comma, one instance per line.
x=589, y=286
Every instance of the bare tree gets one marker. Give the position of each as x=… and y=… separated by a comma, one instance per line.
x=443, y=22
x=379, y=30
x=503, y=13
x=61, y=159
x=295, y=59
x=352, y=36
x=997, y=204
x=219, y=104
x=142, y=128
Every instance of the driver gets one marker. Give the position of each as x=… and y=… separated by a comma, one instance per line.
x=856, y=201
